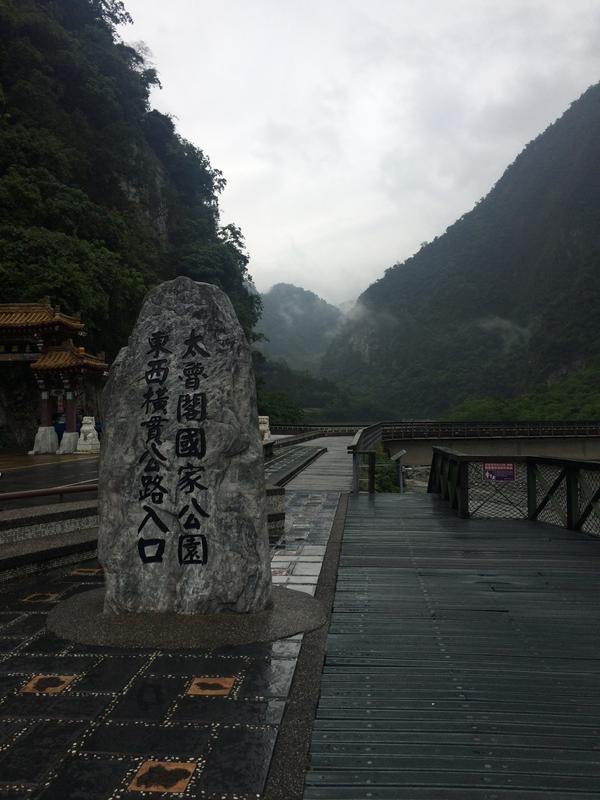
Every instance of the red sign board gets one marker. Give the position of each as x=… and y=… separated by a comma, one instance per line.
x=499, y=472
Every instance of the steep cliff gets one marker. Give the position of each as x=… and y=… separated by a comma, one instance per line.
x=100, y=197
x=505, y=300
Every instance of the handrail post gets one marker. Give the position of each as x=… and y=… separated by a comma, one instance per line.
x=356, y=456
x=531, y=489
x=444, y=477
x=463, y=489
x=372, y=460
x=433, y=482
x=572, y=485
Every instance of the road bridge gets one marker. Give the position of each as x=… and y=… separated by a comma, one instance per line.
x=417, y=438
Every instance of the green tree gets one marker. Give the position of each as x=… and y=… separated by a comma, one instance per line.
x=100, y=198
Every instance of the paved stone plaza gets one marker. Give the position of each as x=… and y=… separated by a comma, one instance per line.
x=79, y=721
x=460, y=663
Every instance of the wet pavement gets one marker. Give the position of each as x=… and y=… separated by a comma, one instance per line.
x=21, y=473
x=33, y=472
x=287, y=461
x=95, y=722
x=297, y=558
x=330, y=472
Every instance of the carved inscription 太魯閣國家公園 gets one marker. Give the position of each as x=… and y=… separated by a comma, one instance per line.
x=189, y=408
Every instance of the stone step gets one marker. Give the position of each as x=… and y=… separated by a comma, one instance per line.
x=30, y=556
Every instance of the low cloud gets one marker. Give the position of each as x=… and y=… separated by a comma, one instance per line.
x=510, y=333
x=349, y=133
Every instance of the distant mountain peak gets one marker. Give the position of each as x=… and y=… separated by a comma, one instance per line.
x=298, y=325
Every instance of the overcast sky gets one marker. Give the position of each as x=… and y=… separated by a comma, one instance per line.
x=350, y=131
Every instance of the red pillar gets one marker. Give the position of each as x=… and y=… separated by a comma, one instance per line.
x=70, y=413
x=45, y=409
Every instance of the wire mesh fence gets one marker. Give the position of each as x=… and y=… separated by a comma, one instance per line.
x=551, y=487
x=588, y=491
x=490, y=497
x=561, y=492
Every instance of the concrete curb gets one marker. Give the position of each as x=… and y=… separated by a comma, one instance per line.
x=80, y=618
x=290, y=757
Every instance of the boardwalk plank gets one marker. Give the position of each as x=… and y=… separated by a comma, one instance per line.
x=463, y=660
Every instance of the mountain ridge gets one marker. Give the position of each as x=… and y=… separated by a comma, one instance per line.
x=500, y=301
x=297, y=324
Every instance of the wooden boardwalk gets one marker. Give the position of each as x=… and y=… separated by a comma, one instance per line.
x=463, y=660
x=330, y=472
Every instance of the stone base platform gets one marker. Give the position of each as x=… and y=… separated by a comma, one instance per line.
x=81, y=619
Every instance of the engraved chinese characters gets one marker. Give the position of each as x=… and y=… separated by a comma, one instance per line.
x=157, y=405
x=182, y=498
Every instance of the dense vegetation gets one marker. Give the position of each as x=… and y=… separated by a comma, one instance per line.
x=502, y=303
x=100, y=197
x=386, y=474
x=298, y=326
x=572, y=397
x=290, y=396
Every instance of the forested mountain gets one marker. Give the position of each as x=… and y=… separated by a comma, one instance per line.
x=298, y=325
x=504, y=301
x=100, y=197
x=292, y=396
x=573, y=397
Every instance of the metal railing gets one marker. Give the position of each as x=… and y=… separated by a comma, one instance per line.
x=430, y=429
x=329, y=429
x=270, y=446
x=365, y=444
x=433, y=429
x=366, y=439
x=50, y=491
x=558, y=491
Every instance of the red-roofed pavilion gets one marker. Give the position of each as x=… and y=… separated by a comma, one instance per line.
x=41, y=334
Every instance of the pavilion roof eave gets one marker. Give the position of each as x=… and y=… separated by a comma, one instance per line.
x=32, y=317
x=69, y=359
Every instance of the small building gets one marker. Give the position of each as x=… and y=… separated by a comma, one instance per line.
x=41, y=335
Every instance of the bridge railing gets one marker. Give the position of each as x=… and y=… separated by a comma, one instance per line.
x=431, y=429
x=364, y=445
x=270, y=446
x=563, y=492
x=324, y=429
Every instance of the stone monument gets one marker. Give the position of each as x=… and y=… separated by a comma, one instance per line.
x=183, y=523
x=88, y=437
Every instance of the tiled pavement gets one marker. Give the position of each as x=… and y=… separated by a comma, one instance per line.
x=299, y=555
x=81, y=722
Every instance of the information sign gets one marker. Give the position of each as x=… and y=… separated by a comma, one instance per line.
x=499, y=472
